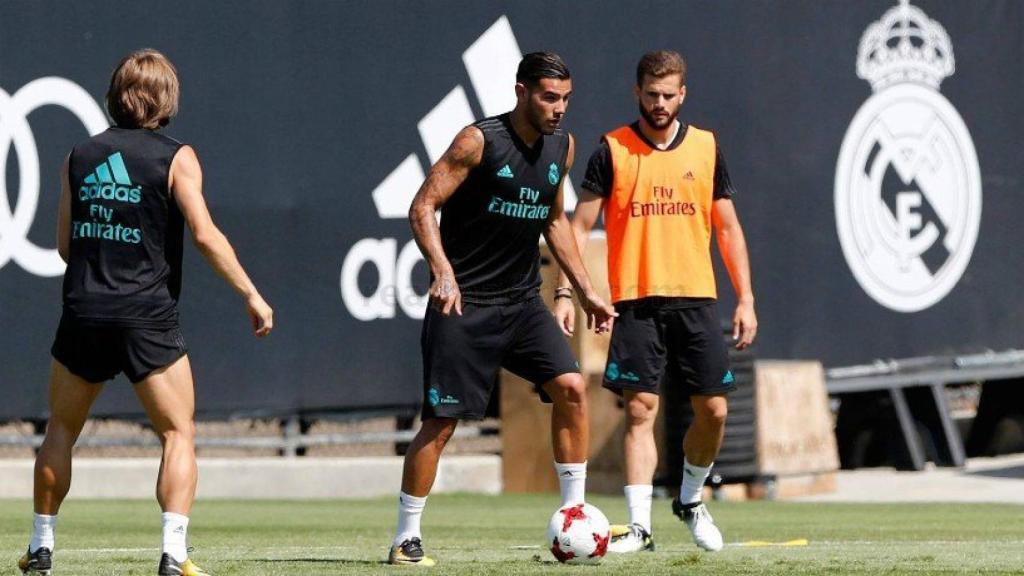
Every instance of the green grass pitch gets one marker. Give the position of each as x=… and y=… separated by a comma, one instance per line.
x=502, y=535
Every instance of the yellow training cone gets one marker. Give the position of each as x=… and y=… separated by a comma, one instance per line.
x=764, y=543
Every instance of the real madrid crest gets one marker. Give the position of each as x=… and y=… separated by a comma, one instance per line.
x=553, y=175
x=908, y=186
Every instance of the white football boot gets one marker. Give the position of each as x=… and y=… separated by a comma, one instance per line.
x=701, y=525
x=630, y=538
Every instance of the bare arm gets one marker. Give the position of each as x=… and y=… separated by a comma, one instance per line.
x=444, y=179
x=560, y=236
x=733, y=247
x=186, y=184
x=64, y=214
x=565, y=247
x=588, y=210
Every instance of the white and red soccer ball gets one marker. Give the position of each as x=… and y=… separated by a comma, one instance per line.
x=578, y=534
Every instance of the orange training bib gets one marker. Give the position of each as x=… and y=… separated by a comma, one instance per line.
x=658, y=217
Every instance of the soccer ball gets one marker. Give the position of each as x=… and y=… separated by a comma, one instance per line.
x=578, y=534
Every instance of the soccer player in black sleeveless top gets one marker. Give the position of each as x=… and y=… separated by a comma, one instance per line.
x=127, y=195
x=498, y=187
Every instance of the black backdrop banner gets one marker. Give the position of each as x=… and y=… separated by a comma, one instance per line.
x=873, y=145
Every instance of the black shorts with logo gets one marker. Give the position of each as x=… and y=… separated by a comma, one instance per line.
x=98, y=353
x=654, y=343
x=463, y=355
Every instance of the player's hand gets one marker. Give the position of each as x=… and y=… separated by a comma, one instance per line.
x=445, y=295
x=600, y=314
x=565, y=315
x=261, y=314
x=744, y=324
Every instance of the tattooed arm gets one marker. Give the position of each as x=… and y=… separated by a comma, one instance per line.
x=445, y=176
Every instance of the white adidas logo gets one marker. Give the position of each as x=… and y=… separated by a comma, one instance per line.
x=491, y=62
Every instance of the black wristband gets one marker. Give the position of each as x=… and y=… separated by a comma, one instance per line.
x=563, y=295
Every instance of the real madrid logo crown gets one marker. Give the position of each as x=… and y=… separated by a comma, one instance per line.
x=904, y=46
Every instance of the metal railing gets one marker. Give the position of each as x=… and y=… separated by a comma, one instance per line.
x=290, y=443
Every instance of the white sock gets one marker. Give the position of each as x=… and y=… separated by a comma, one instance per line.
x=42, y=532
x=638, y=500
x=175, y=528
x=410, y=510
x=693, y=482
x=572, y=482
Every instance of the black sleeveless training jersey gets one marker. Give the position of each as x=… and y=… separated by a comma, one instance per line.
x=491, y=226
x=124, y=267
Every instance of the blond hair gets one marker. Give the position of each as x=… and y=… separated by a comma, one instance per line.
x=143, y=91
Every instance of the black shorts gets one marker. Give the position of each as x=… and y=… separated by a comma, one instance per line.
x=680, y=346
x=98, y=353
x=463, y=355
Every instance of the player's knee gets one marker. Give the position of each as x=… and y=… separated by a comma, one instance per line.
x=178, y=434
x=714, y=414
x=444, y=435
x=58, y=441
x=718, y=417
x=60, y=431
x=640, y=412
x=573, y=389
x=439, y=431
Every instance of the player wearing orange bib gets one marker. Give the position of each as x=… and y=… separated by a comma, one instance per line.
x=664, y=189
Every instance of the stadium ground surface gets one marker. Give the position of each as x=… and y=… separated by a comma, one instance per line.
x=502, y=535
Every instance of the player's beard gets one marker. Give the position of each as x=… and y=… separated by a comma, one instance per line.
x=656, y=123
x=538, y=120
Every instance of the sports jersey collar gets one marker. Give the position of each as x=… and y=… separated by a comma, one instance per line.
x=680, y=136
x=531, y=153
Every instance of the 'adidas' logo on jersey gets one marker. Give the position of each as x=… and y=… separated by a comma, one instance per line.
x=505, y=172
x=110, y=181
x=688, y=175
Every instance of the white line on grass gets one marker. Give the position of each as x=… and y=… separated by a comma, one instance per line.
x=812, y=543
x=106, y=550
